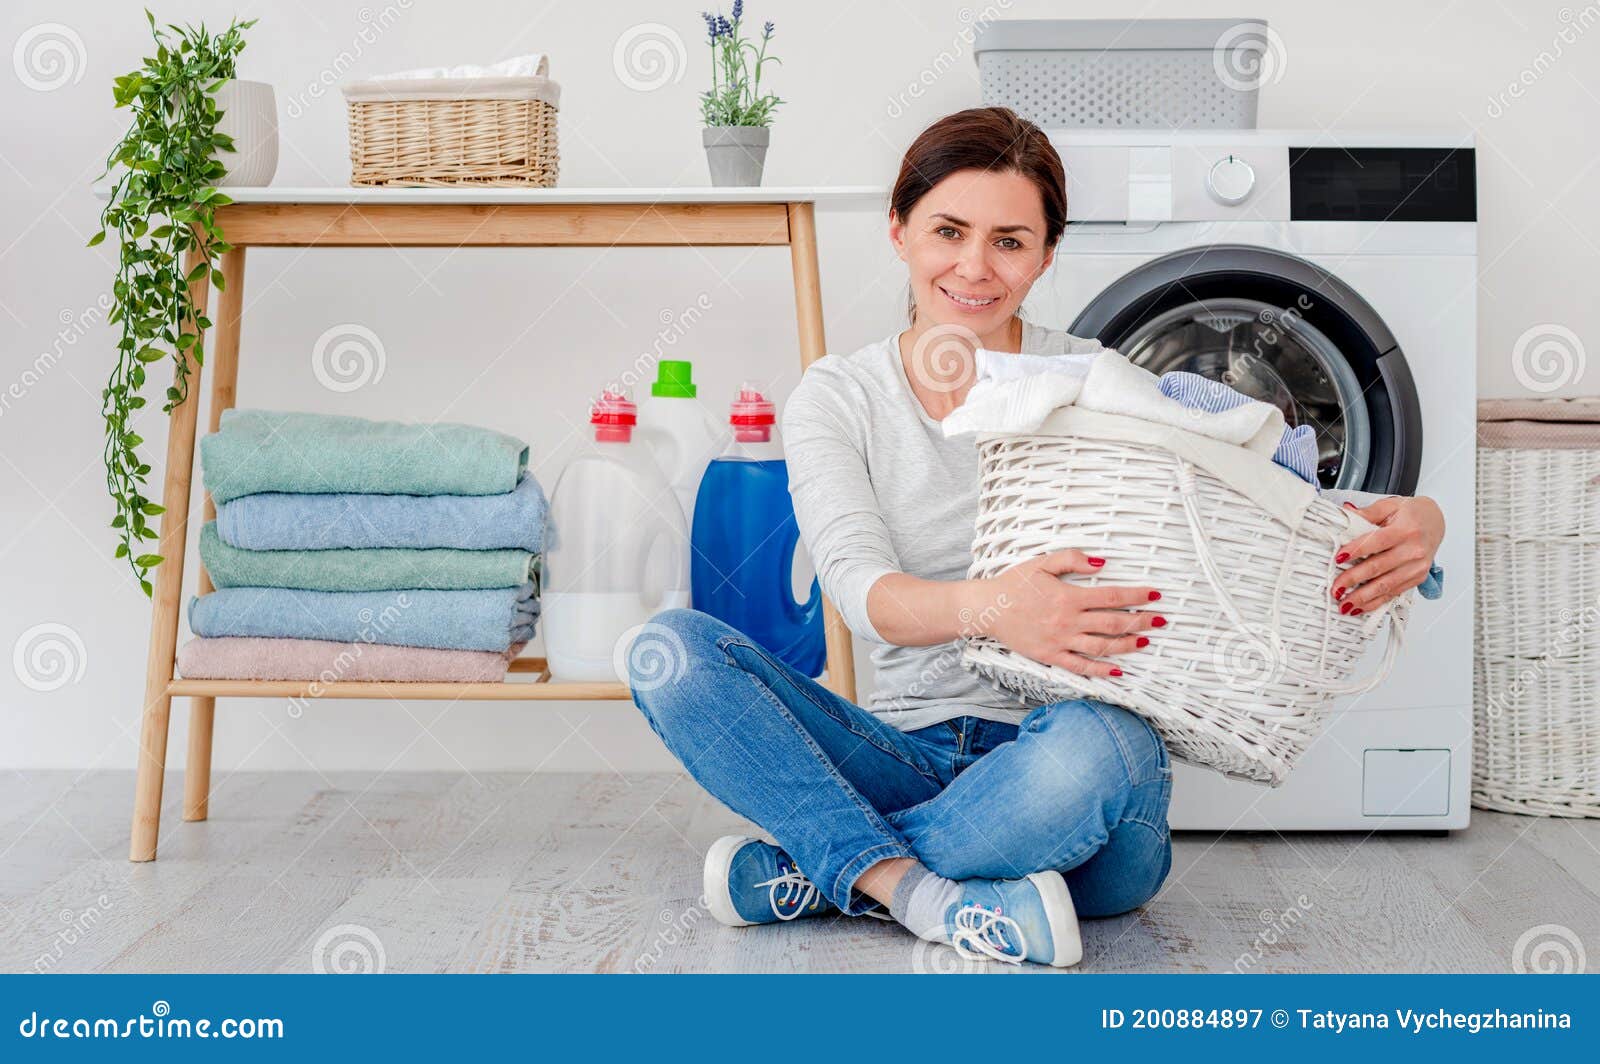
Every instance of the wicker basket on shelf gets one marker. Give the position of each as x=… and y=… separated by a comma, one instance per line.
x=1536, y=674
x=1256, y=649
x=498, y=131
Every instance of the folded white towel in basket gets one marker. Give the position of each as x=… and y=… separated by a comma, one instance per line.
x=1015, y=393
x=523, y=77
x=521, y=66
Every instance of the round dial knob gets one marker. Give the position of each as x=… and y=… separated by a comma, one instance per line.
x=1230, y=180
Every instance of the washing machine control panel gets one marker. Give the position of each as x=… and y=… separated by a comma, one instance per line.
x=1147, y=177
x=1231, y=180
x=1207, y=177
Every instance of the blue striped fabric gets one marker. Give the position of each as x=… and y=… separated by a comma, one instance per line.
x=1297, y=449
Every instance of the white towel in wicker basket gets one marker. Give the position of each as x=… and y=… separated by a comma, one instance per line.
x=1241, y=549
x=448, y=131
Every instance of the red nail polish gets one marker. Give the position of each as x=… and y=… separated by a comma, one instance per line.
x=1346, y=608
x=1159, y=622
x=1097, y=561
x=1338, y=593
x=1350, y=506
x=1154, y=595
x=1342, y=556
x=1116, y=672
x=1141, y=642
x=1355, y=612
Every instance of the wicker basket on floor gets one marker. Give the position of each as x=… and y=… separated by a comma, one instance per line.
x=458, y=131
x=1256, y=647
x=1536, y=675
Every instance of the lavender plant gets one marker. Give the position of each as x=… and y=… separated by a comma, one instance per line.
x=735, y=97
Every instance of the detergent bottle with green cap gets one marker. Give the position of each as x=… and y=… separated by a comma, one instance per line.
x=614, y=552
x=679, y=431
x=749, y=567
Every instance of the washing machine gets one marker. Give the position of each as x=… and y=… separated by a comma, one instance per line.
x=1334, y=275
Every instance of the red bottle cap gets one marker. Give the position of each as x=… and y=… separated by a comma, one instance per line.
x=613, y=416
x=752, y=415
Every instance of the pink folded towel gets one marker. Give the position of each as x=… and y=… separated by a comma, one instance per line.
x=256, y=658
x=1568, y=424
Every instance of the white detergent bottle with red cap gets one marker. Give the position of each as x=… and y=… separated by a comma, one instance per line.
x=749, y=567
x=679, y=431
x=614, y=550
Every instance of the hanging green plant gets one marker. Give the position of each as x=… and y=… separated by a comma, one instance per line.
x=162, y=207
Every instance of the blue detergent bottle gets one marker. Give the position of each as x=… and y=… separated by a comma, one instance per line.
x=749, y=568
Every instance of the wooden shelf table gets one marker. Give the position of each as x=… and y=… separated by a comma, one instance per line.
x=415, y=217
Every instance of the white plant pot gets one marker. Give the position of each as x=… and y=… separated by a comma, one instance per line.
x=250, y=116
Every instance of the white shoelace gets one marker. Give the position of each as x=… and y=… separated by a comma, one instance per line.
x=784, y=889
x=977, y=931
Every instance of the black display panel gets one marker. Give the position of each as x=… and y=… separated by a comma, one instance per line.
x=1382, y=185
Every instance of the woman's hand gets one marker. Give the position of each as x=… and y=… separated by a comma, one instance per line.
x=1392, y=558
x=1056, y=622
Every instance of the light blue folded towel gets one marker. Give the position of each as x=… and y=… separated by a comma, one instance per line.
x=272, y=450
x=491, y=619
x=512, y=520
x=1297, y=447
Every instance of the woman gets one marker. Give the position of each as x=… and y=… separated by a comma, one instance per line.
x=965, y=814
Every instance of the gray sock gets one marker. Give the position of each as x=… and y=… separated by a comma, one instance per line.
x=920, y=901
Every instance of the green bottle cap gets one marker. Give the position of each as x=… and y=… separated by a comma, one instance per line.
x=675, y=378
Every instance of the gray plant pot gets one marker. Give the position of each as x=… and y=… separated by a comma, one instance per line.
x=736, y=154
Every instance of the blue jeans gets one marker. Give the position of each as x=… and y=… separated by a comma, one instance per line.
x=1080, y=786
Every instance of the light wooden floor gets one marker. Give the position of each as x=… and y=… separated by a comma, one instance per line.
x=515, y=873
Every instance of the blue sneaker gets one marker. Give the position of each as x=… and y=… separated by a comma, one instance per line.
x=1014, y=920
x=748, y=881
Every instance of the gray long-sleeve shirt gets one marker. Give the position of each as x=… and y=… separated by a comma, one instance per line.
x=878, y=489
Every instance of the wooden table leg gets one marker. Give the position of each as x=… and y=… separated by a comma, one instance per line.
x=808, y=311
x=224, y=369
x=168, y=592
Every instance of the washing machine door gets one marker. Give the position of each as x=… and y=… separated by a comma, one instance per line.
x=1282, y=330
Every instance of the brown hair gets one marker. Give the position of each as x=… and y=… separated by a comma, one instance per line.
x=983, y=138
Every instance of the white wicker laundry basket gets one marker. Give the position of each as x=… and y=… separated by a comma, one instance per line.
x=1536, y=712
x=1255, y=649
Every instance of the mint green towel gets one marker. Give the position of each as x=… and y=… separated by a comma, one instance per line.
x=268, y=450
x=367, y=569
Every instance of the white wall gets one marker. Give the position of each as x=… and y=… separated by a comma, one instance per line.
x=519, y=340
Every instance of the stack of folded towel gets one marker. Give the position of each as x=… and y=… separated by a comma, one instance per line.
x=364, y=550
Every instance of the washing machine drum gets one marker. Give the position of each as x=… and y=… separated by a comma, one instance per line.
x=1284, y=331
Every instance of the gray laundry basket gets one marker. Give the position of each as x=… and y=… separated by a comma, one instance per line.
x=1126, y=73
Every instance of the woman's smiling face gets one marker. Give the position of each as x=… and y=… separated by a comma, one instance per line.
x=974, y=245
